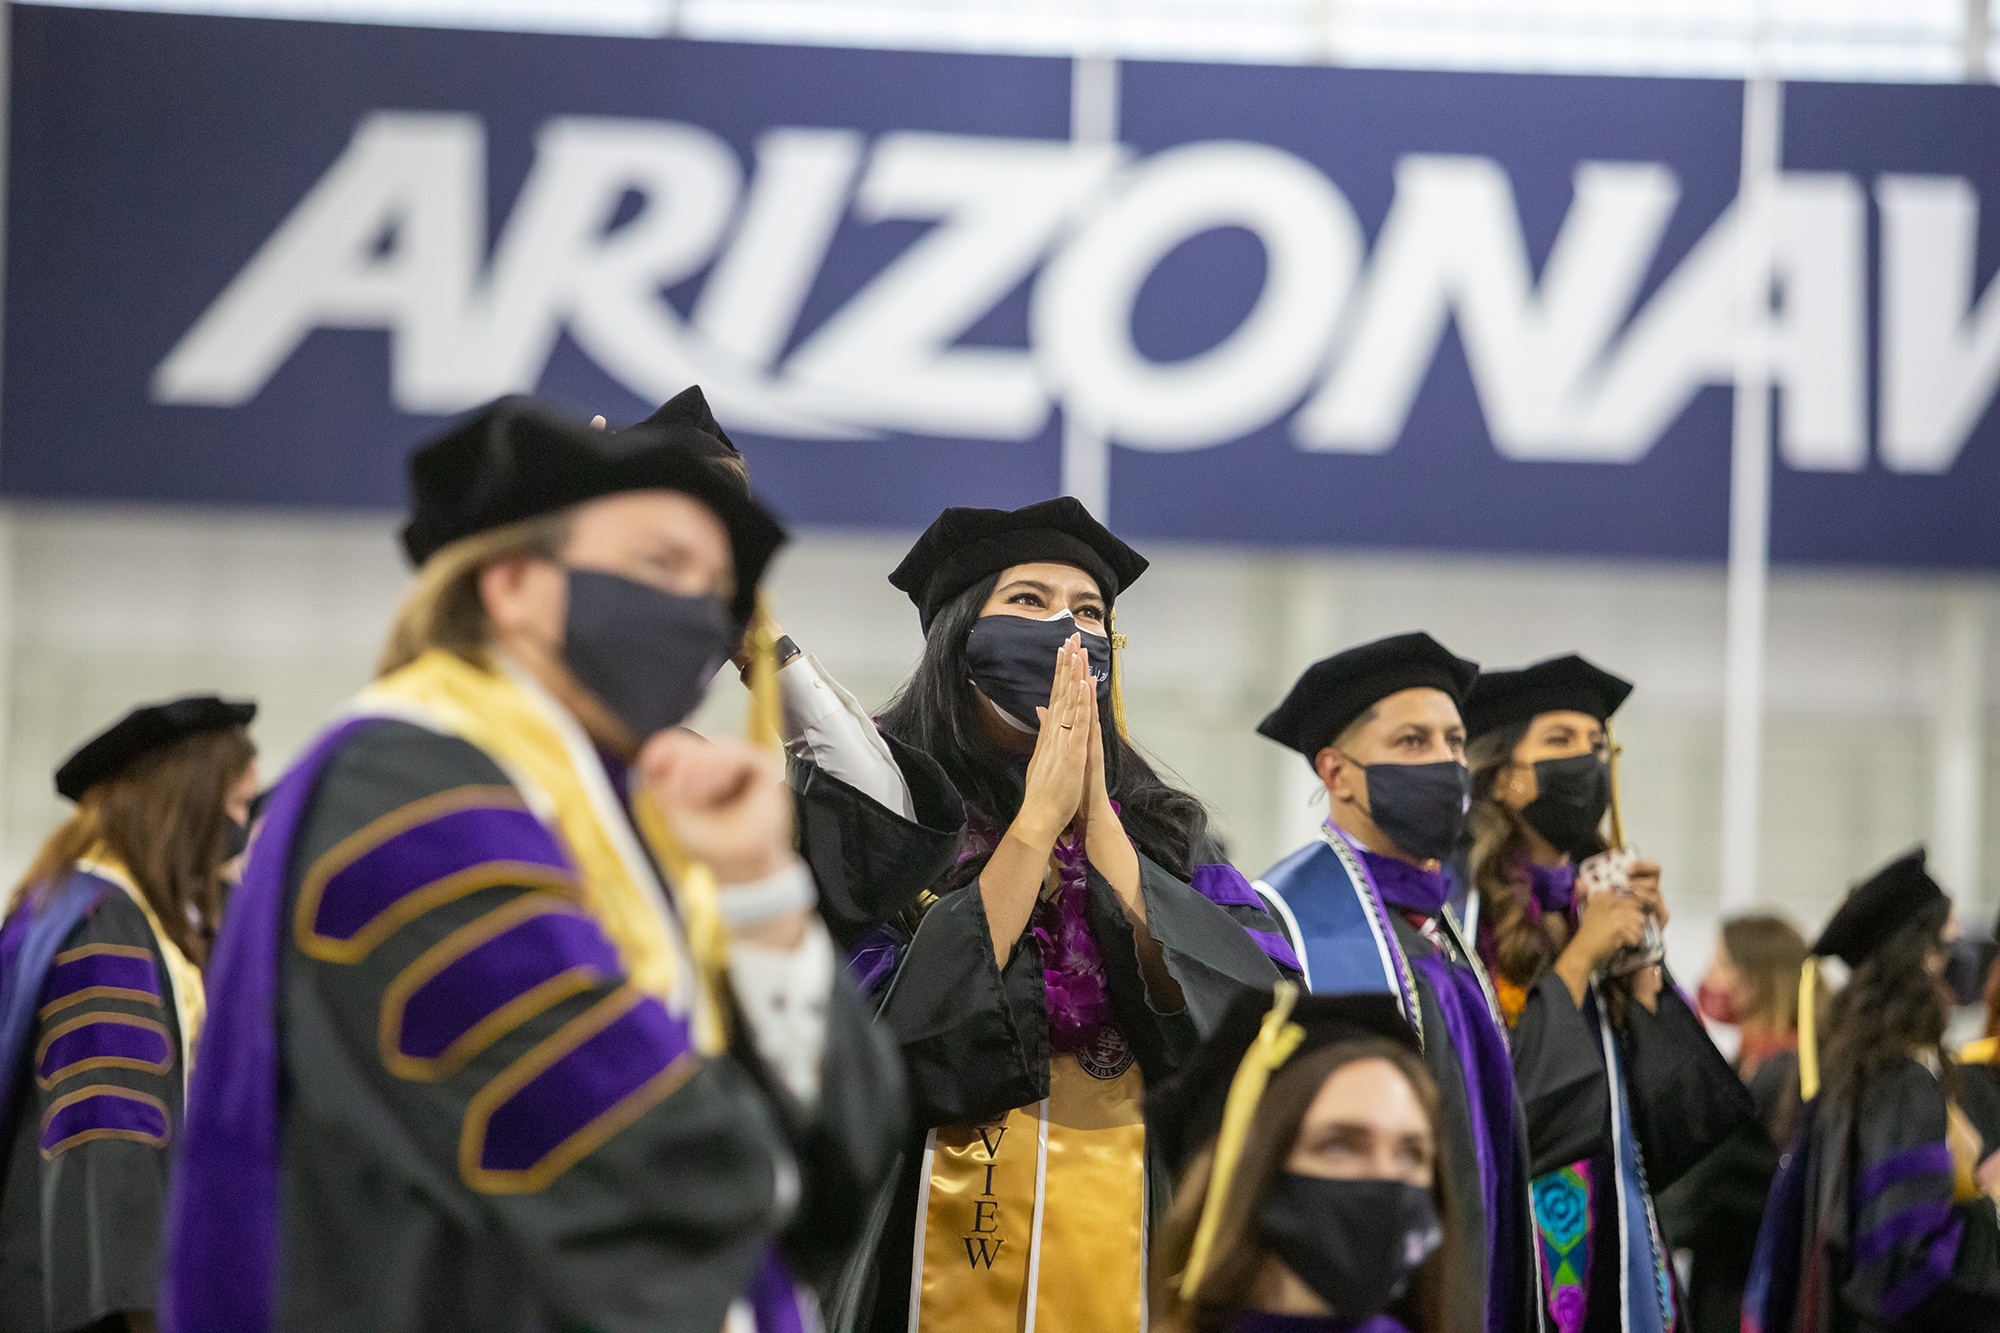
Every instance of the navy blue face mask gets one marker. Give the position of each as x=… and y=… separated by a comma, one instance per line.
x=1421, y=807
x=648, y=655
x=1013, y=662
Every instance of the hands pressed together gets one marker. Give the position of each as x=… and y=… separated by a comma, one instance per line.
x=1065, y=789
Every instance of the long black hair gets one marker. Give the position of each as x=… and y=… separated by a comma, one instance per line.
x=1893, y=1005
x=935, y=712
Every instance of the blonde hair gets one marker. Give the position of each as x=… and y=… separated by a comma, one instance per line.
x=1768, y=952
x=443, y=608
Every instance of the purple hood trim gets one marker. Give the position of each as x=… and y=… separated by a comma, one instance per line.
x=1404, y=885
x=222, y=1217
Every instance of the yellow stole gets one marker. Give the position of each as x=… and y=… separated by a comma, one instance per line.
x=545, y=753
x=190, y=998
x=992, y=1256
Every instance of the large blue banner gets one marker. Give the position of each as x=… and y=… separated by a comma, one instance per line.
x=254, y=261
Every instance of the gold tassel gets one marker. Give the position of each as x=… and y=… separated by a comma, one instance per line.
x=1612, y=750
x=764, y=720
x=1808, y=1022
x=697, y=897
x=695, y=890
x=1276, y=1040
x=1117, y=677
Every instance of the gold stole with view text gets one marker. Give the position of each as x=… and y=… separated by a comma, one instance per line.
x=1036, y=1223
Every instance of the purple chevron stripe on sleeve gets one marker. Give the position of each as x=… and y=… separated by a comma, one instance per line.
x=1924, y=1160
x=1913, y=1223
x=488, y=977
x=112, y=971
x=1909, y=1293
x=103, y=1041
x=569, y=1095
x=349, y=907
x=103, y=1111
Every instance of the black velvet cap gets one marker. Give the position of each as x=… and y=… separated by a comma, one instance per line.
x=143, y=730
x=517, y=459
x=1338, y=689
x=1561, y=684
x=702, y=433
x=965, y=545
x=1874, y=908
x=1185, y=1112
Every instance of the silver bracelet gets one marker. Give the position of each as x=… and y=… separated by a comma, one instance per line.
x=762, y=900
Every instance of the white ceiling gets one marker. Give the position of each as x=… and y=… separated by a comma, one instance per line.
x=1905, y=40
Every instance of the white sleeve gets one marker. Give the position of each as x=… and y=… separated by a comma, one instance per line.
x=828, y=726
x=783, y=995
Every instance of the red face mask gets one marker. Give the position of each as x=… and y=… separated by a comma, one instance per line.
x=1715, y=1004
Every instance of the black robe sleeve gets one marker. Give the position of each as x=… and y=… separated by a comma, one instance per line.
x=1686, y=1101
x=1206, y=952
x=871, y=862
x=846, y=1147
x=1559, y=1073
x=563, y=1161
x=87, y=1184
x=1915, y=1258
x=1979, y=1098
x=974, y=1037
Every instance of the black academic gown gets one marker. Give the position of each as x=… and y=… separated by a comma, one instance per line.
x=1713, y=1211
x=870, y=862
x=1460, y=1159
x=82, y=1207
x=1682, y=1098
x=656, y=1227
x=974, y=1036
x=1885, y=1247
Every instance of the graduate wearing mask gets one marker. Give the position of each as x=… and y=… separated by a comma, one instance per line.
x=1365, y=903
x=522, y=1015
x=101, y=1006
x=878, y=820
x=1882, y=1217
x=1305, y=1137
x=1064, y=964
x=1622, y=1089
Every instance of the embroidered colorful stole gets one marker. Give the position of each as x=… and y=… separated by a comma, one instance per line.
x=1563, y=1201
x=992, y=1256
x=1569, y=1206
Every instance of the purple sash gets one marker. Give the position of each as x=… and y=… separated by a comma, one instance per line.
x=222, y=1218
x=28, y=945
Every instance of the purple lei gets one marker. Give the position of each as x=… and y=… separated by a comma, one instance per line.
x=1079, y=997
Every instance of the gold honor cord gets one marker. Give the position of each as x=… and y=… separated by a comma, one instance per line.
x=1276, y=1040
x=1808, y=1022
x=764, y=723
x=1613, y=750
x=1117, y=676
